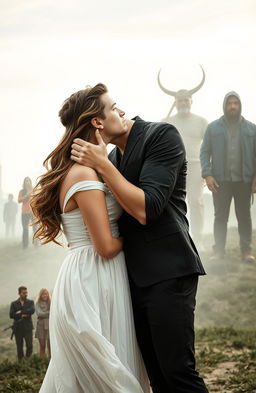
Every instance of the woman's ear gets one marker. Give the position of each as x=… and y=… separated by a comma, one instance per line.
x=96, y=122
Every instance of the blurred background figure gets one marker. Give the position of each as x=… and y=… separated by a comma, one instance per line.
x=192, y=128
x=26, y=214
x=228, y=157
x=21, y=311
x=43, y=305
x=9, y=216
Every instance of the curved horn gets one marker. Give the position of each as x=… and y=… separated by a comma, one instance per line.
x=192, y=91
x=169, y=92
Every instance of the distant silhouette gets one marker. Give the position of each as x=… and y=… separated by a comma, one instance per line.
x=43, y=304
x=21, y=311
x=26, y=213
x=9, y=216
x=192, y=128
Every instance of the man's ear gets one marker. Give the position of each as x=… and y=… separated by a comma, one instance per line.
x=96, y=122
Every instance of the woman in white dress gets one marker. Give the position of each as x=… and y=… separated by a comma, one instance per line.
x=93, y=343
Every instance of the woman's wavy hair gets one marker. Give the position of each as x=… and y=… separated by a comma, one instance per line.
x=39, y=297
x=75, y=114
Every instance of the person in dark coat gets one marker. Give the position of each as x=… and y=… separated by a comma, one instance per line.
x=146, y=172
x=21, y=311
x=228, y=161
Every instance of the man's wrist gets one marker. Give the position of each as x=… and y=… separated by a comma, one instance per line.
x=103, y=166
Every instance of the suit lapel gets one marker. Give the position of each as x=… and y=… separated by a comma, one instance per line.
x=133, y=139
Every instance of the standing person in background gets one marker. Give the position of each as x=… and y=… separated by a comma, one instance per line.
x=192, y=128
x=26, y=214
x=9, y=216
x=21, y=311
x=43, y=304
x=228, y=161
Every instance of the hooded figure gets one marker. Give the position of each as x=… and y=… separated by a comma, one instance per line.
x=228, y=161
x=233, y=110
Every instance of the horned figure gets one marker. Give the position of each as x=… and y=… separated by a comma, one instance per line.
x=192, y=129
x=183, y=93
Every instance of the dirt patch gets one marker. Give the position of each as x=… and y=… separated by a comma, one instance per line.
x=220, y=373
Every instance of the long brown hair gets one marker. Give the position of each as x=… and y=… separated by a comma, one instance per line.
x=75, y=114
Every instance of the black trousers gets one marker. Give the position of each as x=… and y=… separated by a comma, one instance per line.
x=20, y=336
x=164, y=322
x=241, y=192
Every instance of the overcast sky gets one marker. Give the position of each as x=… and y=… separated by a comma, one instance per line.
x=51, y=49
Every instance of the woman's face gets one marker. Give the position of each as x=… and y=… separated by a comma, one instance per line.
x=27, y=182
x=44, y=296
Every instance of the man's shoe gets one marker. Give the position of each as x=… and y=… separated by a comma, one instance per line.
x=248, y=257
x=217, y=256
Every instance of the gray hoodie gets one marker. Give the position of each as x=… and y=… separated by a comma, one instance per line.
x=231, y=94
x=213, y=154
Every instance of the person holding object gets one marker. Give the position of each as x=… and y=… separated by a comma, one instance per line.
x=21, y=311
x=146, y=173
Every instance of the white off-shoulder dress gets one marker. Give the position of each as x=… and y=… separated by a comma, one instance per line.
x=93, y=343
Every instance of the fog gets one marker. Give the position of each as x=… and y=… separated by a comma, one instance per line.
x=51, y=49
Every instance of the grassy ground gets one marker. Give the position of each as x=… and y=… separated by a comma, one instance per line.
x=227, y=295
x=225, y=317
x=226, y=358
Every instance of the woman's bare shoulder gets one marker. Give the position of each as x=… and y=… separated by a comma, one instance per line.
x=79, y=173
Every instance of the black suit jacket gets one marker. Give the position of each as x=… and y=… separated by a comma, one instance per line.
x=22, y=324
x=154, y=160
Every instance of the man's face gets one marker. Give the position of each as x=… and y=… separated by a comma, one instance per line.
x=114, y=123
x=23, y=294
x=233, y=107
x=183, y=104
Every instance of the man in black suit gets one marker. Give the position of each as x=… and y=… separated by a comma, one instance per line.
x=21, y=311
x=147, y=174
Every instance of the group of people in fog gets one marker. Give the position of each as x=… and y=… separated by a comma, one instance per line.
x=10, y=213
x=228, y=160
x=21, y=311
x=221, y=155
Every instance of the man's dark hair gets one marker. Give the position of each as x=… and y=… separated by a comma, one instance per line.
x=22, y=288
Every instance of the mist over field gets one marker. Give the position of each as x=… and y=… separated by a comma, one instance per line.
x=226, y=296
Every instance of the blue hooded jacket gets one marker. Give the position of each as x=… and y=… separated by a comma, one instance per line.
x=214, y=148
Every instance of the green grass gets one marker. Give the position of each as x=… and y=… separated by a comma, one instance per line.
x=227, y=295
x=226, y=358
x=25, y=376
